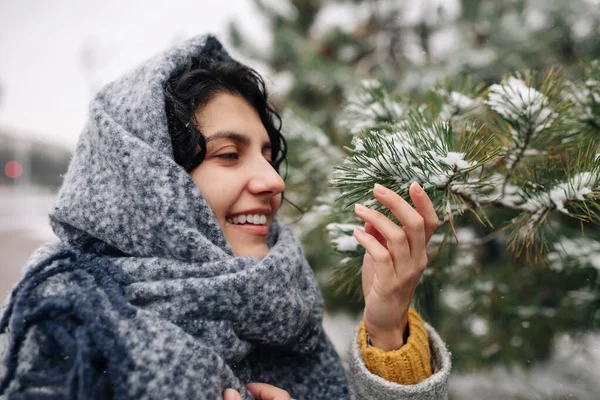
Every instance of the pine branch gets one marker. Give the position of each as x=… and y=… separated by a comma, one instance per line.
x=420, y=146
x=514, y=160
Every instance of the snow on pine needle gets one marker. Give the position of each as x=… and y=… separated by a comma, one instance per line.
x=585, y=95
x=417, y=150
x=459, y=105
x=348, y=272
x=576, y=189
x=525, y=108
x=318, y=151
x=530, y=115
x=371, y=107
x=342, y=237
x=579, y=252
x=571, y=187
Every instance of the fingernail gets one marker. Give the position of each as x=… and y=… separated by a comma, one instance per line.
x=229, y=394
x=360, y=208
x=380, y=189
x=418, y=188
x=358, y=231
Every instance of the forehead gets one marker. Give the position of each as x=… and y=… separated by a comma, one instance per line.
x=227, y=112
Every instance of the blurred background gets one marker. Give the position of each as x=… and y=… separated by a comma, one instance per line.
x=55, y=55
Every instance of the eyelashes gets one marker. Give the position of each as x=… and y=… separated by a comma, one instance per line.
x=236, y=156
x=229, y=156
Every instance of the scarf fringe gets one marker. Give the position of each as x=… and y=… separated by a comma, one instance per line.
x=83, y=334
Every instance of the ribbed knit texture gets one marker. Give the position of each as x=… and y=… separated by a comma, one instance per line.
x=408, y=365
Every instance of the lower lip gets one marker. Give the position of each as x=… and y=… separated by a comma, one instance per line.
x=262, y=230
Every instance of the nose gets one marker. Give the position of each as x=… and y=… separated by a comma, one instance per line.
x=264, y=179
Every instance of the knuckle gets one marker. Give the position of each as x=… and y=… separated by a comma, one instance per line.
x=418, y=223
x=423, y=263
x=383, y=257
x=433, y=224
x=414, y=277
x=399, y=237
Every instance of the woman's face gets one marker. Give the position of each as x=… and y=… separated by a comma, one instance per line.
x=236, y=177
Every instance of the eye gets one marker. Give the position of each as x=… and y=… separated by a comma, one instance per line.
x=229, y=156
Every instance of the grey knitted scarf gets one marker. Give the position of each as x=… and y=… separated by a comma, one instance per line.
x=143, y=297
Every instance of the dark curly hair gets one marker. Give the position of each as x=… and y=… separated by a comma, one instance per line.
x=191, y=89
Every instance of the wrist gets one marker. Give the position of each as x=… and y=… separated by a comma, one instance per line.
x=388, y=340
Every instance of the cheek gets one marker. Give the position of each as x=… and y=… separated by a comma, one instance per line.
x=220, y=196
x=218, y=190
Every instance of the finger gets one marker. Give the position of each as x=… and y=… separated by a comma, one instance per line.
x=370, y=229
x=412, y=222
x=384, y=265
x=262, y=391
x=367, y=274
x=231, y=394
x=369, y=266
x=425, y=207
x=396, y=241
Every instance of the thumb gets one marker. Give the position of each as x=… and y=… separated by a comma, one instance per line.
x=262, y=391
x=231, y=394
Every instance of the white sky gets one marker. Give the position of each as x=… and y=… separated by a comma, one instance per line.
x=45, y=88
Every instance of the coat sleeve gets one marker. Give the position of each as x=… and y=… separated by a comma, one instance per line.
x=364, y=384
x=408, y=365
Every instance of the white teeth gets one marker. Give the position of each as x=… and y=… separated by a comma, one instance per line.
x=255, y=219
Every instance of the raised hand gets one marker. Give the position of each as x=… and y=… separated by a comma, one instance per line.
x=394, y=261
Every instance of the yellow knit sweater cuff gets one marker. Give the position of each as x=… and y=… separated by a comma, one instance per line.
x=408, y=365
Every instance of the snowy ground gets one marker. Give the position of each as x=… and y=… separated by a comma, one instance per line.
x=23, y=227
x=572, y=373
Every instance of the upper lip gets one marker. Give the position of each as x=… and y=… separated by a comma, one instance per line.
x=261, y=211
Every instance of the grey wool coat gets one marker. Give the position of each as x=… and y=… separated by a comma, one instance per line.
x=143, y=298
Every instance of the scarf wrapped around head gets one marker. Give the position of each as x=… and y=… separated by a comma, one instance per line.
x=143, y=297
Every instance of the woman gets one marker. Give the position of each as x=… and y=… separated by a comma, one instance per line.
x=173, y=277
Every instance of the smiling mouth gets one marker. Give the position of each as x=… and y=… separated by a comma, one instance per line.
x=250, y=219
x=260, y=230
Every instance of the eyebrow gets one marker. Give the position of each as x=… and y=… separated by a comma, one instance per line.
x=236, y=137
